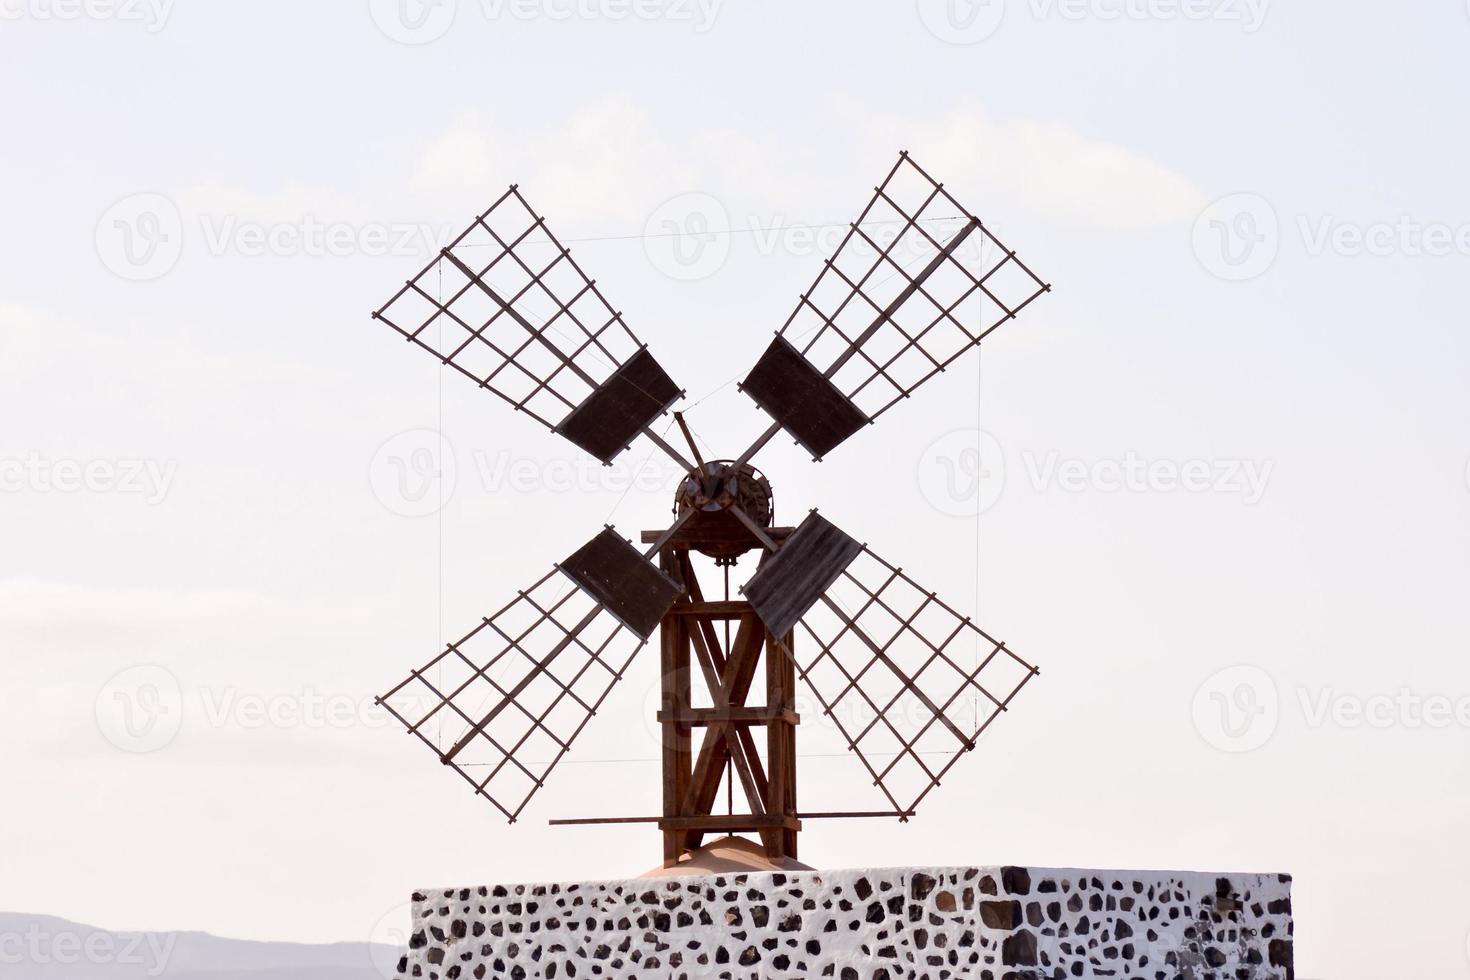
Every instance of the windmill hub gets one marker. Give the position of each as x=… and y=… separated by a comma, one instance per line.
x=723, y=485
x=705, y=498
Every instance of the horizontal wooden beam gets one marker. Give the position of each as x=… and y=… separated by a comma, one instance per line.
x=590, y=821
x=858, y=815
x=687, y=538
x=741, y=715
x=719, y=609
x=738, y=821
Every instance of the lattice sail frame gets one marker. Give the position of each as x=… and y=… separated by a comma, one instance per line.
x=507, y=306
x=981, y=285
x=508, y=760
x=572, y=340
x=957, y=668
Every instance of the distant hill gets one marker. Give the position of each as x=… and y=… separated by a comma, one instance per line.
x=39, y=947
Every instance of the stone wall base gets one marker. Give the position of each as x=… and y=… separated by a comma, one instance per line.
x=990, y=923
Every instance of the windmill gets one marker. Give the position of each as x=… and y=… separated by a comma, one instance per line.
x=909, y=682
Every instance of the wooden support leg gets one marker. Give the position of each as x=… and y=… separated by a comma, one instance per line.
x=781, y=746
x=675, y=736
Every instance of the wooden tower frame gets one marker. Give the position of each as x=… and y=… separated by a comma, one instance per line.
x=690, y=639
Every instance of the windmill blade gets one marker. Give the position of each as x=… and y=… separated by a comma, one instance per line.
x=507, y=306
x=796, y=577
x=503, y=705
x=908, y=681
x=917, y=281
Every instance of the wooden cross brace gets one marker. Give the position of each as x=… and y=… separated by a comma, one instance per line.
x=692, y=783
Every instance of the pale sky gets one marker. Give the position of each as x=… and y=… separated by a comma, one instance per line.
x=1224, y=474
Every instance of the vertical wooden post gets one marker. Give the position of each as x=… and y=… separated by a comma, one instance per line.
x=675, y=699
x=781, y=741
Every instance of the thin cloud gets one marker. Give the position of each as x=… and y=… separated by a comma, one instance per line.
x=610, y=164
x=607, y=161
x=1049, y=167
